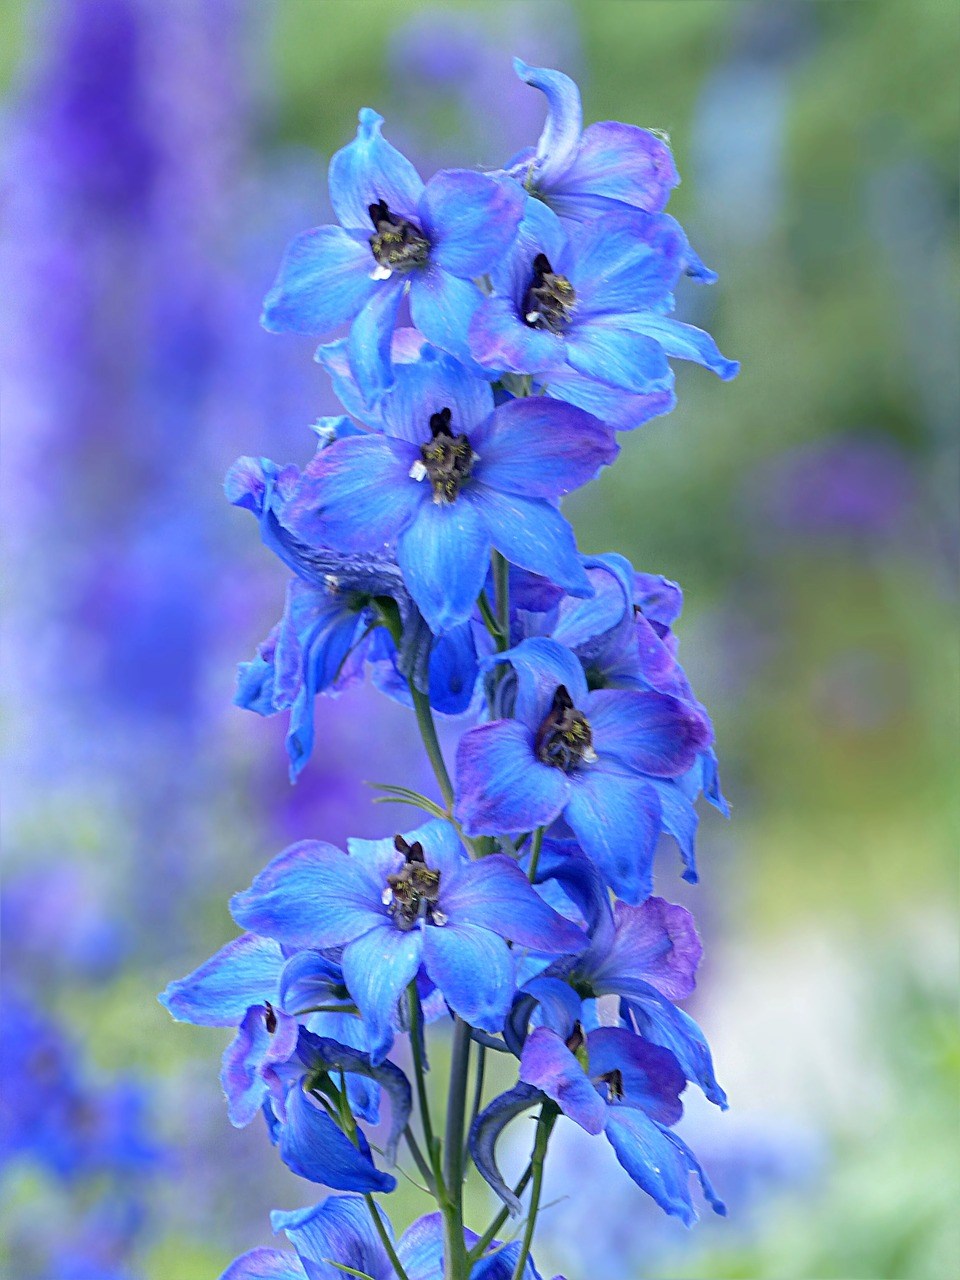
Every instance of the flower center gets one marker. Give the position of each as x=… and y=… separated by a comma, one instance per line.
x=269, y=1017
x=614, y=1082
x=446, y=460
x=564, y=740
x=550, y=299
x=397, y=245
x=413, y=893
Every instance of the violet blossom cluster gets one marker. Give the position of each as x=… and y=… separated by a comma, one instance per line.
x=502, y=328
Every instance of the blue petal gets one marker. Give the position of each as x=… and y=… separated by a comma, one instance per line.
x=604, y=349
x=615, y=162
x=679, y=819
x=583, y=625
x=626, y=263
x=647, y=733
x=338, y=1230
x=541, y=665
x=324, y=281
x=356, y=495
x=485, y=1131
x=651, y=1160
x=539, y=448
x=531, y=533
x=421, y=1248
x=370, y=169
x=218, y=994
x=474, y=969
x=322, y=1052
x=425, y=387
x=470, y=219
x=378, y=968
x=347, y=1029
x=312, y=1146
x=311, y=895
x=370, y=340
x=557, y=145
x=685, y=342
x=693, y=1164
x=495, y=894
x=267, y=1264
x=661, y=1022
x=622, y=410
x=310, y=978
x=444, y=555
x=501, y=786
x=442, y=307
x=454, y=670
x=548, y=1065
x=617, y=821
x=334, y=357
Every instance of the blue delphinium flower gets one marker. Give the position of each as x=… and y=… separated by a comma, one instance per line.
x=393, y=905
x=586, y=307
x=396, y=235
x=339, y=1233
x=586, y=755
x=450, y=476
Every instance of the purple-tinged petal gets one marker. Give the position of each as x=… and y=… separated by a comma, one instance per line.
x=474, y=969
x=426, y=386
x=541, y=665
x=649, y=733
x=661, y=1022
x=501, y=786
x=266, y=1264
x=370, y=169
x=656, y=942
x=651, y=1076
x=324, y=281
x=685, y=342
x=531, y=533
x=370, y=340
x=311, y=895
x=356, y=496
x=499, y=339
x=495, y=894
x=617, y=821
x=444, y=555
x=312, y=1146
x=470, y=219
x=651, y=1160
x=218, y=994
x=615, y=162
x=604, y=349
x=548, y=1065
x=557, y=145
x=626, y=263
x=539, y=448
x=254, y=1049
x=378, y=968
x=621, y=410
x=337, y=1231
x=485, y=1131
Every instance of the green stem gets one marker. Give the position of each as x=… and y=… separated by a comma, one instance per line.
x=428, y=731
x=501, y=594
x=420, y=1160
x=477, y=1095
x=385, y=1237
x=544, y=1125
x=456, y=1254
x=535, y=847
x=492, y=625
x=497, y=1224
x=419, y=1074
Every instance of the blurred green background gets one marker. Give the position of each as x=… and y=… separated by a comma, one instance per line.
x=809, y=509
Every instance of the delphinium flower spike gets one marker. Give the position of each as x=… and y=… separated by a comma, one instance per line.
x=428, y=549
